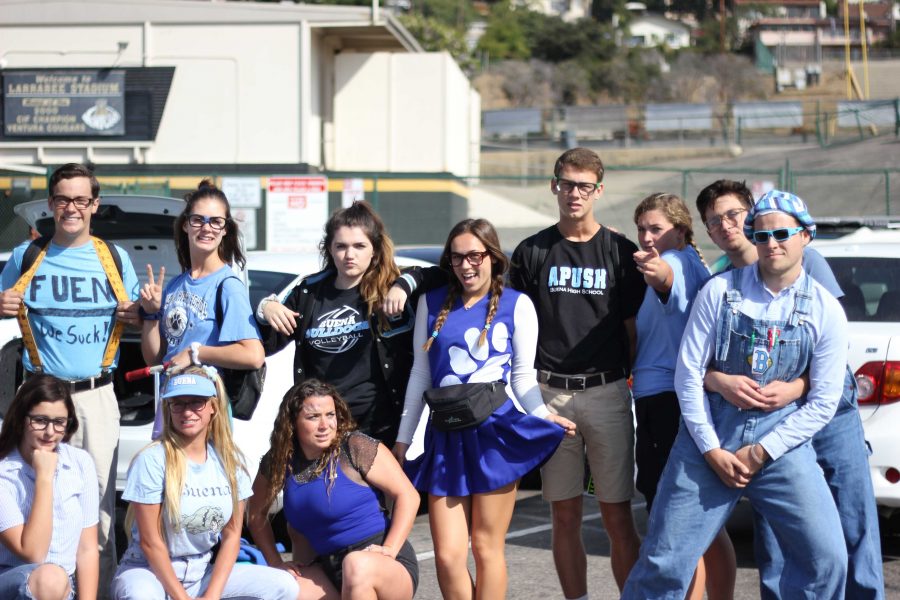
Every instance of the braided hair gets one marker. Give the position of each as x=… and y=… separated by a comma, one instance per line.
x=485, y=233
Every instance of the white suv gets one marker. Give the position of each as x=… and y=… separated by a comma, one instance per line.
x=866, y=263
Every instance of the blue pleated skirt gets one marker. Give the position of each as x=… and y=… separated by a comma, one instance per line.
x=506, y=446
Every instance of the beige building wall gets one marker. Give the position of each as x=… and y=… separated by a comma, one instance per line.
x=404, y=112
x=334, y=87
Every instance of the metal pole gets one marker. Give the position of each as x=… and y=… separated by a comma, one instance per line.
x=887, y=192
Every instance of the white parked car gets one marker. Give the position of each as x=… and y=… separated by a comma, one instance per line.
x=143, y=225
x=866, y=263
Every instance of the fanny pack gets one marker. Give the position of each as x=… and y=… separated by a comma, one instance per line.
x=464, y=405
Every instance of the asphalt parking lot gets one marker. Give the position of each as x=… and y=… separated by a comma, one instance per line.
x=530, y=562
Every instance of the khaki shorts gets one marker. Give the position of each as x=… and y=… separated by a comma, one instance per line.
x=605, y=429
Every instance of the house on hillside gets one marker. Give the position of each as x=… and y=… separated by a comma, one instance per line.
x=649, y=30
x=567, y=10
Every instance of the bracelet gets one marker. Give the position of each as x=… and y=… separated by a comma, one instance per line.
x=260, y=310
x=149, y=316
x=195, y=353
x=761, y=461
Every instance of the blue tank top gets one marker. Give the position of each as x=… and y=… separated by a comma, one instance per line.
x=332, y=521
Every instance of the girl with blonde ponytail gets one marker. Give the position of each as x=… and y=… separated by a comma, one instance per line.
x=475, y=330
x=674, y=271
x=187, y=493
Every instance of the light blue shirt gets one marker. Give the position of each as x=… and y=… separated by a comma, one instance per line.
x=71, y=307
x=189, y=312
x=661, y=324
x=205, y=501
x=827, y=327
x=75, y=503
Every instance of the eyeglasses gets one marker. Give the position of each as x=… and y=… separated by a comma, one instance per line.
x=40, y=423
x=195, y=405
x=473, y=258
x=216, y=223
x=584, y=187
x=781, y=235
x=81, y=202
x=730, y=217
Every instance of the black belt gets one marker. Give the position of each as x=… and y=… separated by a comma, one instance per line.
x=579, y=383
x=91, y=383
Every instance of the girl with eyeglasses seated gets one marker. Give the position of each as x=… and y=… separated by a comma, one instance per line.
x=335, y=481
x=49, y=498
x=203, y=315
x=187, y=493
x=475, y=330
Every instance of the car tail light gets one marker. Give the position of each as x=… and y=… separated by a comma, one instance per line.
x=892, y=475
x=879, y=382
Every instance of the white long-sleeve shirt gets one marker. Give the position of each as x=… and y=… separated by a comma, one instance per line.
x=523, y=376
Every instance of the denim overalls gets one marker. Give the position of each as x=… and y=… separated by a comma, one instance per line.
x=692, y=503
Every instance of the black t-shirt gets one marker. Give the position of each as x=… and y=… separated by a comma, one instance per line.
x=337, y=347
x=581, y=300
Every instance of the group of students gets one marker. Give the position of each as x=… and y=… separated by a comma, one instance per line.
x=731, y=381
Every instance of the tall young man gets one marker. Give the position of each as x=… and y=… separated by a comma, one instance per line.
x=766, y=322
x=840, y=446
x=72, y=309
x=587, y=291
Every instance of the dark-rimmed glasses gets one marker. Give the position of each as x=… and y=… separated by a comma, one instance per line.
x=40, y=423
x=80, y=202
x=730, y=217
x=585, y=188
x=474, y=258
x=783, y=234
x=216, y=223
x=193, y=405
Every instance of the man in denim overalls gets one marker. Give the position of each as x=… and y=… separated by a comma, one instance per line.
x=840, y=446
x=769, y=321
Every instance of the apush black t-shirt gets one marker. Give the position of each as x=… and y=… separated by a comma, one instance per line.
x=338, y=349
x=582, y=301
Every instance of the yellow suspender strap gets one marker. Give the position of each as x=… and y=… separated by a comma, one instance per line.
x=22, y=315
x=118, y=288
x=115, y=281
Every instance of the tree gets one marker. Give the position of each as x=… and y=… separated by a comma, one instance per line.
x=504, y=37
x=437, y=36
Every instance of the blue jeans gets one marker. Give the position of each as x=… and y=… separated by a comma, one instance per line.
x=14, y=583
x=841, y=452
x=135, y=580
x=692, y=505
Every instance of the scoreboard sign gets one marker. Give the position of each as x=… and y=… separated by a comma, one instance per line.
x=64, y=103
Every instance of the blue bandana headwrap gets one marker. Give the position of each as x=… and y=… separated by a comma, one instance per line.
x=778, y=201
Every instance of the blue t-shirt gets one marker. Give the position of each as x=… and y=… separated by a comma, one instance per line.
x=661, y=324
x=205, y=501
x=75, y=503
x=71, y=307
x=189, y=312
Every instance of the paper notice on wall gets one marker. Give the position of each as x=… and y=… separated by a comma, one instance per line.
x=246, y=220
x=296, y=211
x=242, y=192
x=353, y=191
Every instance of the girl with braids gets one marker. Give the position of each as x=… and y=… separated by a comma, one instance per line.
x=187, y=493
x=674, y=271
x=334, y=319
x=335, y=480
x=472, y=331
x=48, y=495
x=181, y=321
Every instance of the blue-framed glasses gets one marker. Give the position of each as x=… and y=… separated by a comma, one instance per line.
x=216, y=223
x=762, y=236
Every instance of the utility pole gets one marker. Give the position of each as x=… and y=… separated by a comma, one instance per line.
x=722, y=26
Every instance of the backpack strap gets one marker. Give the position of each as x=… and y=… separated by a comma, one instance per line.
x=540, y=250
x=220, y=312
